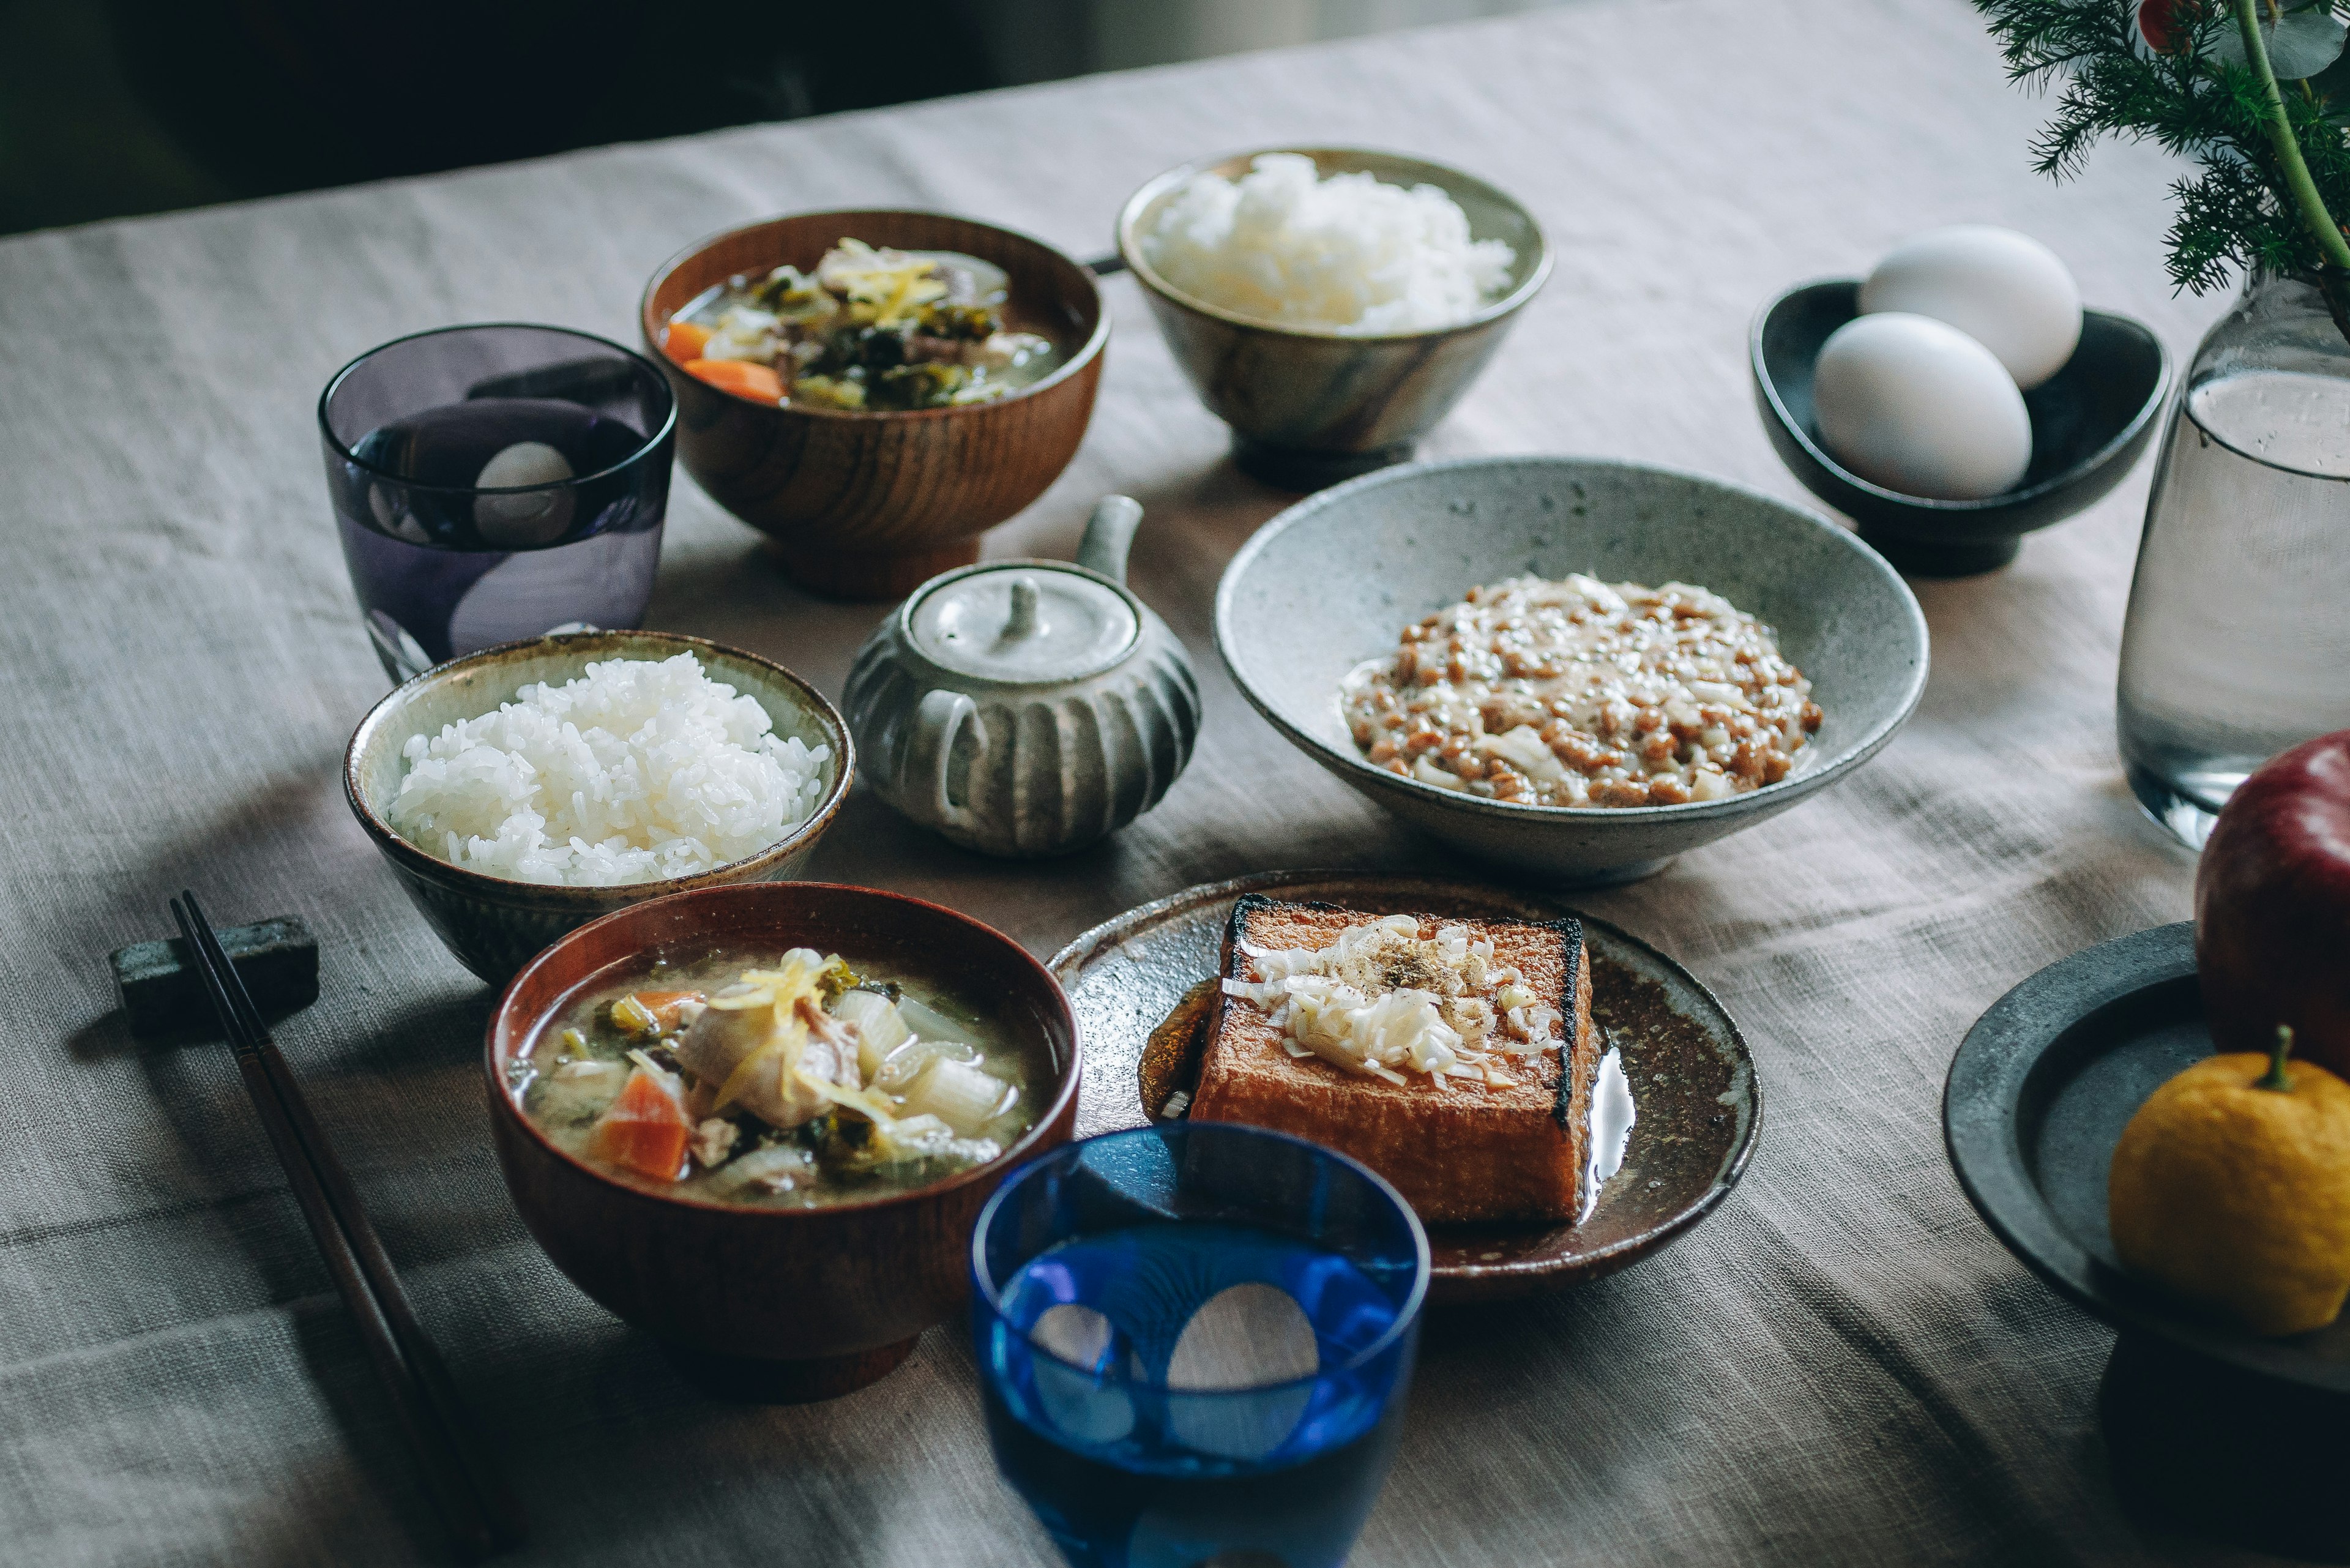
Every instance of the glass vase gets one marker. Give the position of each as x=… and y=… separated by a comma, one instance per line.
x=2237, y=640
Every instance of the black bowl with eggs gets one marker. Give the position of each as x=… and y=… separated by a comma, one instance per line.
x=2089, y=424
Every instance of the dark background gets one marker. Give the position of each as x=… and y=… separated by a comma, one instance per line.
x=115, y=106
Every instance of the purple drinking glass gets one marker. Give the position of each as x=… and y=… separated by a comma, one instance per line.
x=496, y=481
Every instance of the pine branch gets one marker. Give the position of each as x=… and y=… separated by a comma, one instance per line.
x=2246, y=206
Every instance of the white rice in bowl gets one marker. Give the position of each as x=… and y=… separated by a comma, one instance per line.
x=1349, y=253
x=638, y=770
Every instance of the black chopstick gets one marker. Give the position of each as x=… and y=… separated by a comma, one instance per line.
x=467, y=1484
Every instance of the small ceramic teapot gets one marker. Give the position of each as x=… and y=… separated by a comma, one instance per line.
x=1026, y=708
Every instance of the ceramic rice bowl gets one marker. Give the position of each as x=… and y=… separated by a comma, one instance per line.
x=495, y=925
x=1311, y=406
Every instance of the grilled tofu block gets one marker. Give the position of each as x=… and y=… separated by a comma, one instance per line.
x=1457, y=1151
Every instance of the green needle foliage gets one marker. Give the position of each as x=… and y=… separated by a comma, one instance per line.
x=2198, y=99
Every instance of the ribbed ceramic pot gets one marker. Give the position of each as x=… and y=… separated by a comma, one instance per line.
x=1026, y=708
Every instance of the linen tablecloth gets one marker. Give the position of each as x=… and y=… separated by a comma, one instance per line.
x=1840, y=1366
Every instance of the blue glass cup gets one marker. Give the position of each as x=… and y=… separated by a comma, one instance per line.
x=495, y=482
x=1195, y=1342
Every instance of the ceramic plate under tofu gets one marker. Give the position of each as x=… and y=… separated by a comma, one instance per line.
x=1696, y=1102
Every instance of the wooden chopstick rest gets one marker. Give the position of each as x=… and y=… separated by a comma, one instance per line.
x=163, y=993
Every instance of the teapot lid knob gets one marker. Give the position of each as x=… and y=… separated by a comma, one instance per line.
x=1023, y=620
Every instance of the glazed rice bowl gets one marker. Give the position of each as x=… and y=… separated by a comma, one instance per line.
x=1349, y=252
x=682, y=776
x=636, y=771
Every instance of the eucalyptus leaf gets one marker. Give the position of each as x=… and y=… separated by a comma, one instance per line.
x=2332, y=87
x=2301, y=40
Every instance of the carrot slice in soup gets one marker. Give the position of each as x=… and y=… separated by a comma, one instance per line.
x=668, y=1007
x=685, y=341
x=739, y=377
x=645, y=1130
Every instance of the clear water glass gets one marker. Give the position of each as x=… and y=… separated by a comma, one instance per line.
x=1195, y=1342
x=2238, y=641
x=495, y=482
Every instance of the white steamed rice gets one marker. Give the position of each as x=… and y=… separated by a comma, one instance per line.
x=638, y=770
x=1349, y=252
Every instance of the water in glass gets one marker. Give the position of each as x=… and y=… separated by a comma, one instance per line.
x=496, y=483
x=2237, y=640
x=1194, y=1346
x=1136, y=1469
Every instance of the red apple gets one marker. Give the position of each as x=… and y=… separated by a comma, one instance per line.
x=2273, y=907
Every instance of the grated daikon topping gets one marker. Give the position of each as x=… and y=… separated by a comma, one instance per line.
x=1381, y=1000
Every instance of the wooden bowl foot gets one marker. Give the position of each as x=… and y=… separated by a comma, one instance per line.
x=746, y=1380
x=872, y=579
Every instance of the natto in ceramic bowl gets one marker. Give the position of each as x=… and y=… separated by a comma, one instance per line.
x=493, y=924
x=1333, y=581
x=2089, y=424
x=1312, y=406
x=765, y=1302
x=869, y=504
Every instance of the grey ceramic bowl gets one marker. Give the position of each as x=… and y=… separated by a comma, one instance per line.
x=1332, y=581
x=494, y=926
x=2089, y=424
x=1310, y=407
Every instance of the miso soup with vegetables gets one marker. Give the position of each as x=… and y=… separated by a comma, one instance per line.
x=786, y=1082
x=873, y=330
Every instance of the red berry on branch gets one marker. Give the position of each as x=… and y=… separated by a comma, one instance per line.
x=2166, y=24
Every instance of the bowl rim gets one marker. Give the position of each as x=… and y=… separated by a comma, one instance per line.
x=1764, y=383
x=416, y=860
x=986, y=1289
x=1354, y=766
x=647, y=445
x=1073, y=365
x=1018, y=1153
x=1130, y=250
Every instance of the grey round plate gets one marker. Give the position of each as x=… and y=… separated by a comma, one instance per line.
x=1695, y=1097
x=2037, y=1097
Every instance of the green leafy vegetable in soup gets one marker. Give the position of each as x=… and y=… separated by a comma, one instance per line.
x=792, y=1085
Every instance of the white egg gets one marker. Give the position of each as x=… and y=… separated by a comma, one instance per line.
x=2005, y=290
x=1918, y=407
x=514, y=522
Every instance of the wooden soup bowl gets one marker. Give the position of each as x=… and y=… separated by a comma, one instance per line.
x=872, y=504
x=772, y=1304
